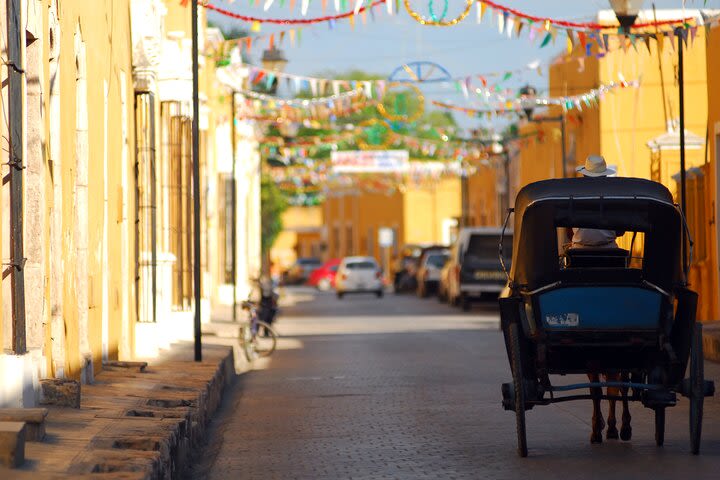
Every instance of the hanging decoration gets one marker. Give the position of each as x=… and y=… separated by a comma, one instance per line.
x=399, y=115
x=294, y=21
x=304, y=102
x=431, y=10
x=378, y=136
x=588, y=99
x=548, y=22
x=438, y=22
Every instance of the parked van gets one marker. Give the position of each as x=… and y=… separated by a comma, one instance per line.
x=473, y=268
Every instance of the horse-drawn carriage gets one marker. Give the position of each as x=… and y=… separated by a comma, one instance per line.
x=624, y=313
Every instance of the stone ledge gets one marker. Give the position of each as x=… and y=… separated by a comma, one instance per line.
x=12, y=444
x=34, y=419
x=711, y=341
x=134, y=424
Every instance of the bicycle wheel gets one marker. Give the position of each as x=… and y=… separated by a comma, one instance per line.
x=246, y=342
x=265, y=339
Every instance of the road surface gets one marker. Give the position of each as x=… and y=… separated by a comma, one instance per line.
x=405, y=388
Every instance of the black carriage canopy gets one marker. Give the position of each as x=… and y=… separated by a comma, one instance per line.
x=621, y=204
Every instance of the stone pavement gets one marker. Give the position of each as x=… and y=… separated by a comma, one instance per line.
x=133, y=423
x=406, y=388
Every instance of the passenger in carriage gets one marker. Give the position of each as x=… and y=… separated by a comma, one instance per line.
x=595, y=166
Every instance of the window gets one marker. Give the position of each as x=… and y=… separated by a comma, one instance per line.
x=146, y=205
x=177, y=139
x=226, y=222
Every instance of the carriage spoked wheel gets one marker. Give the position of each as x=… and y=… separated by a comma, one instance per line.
x=513, y=330
x=659, y=426
x=697, y=390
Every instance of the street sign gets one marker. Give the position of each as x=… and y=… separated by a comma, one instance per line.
x=370, y=161
x=385, y=237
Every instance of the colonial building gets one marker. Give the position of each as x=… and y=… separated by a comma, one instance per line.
x=97, y=218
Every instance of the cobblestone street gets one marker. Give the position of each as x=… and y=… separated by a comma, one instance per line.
x=400, y=387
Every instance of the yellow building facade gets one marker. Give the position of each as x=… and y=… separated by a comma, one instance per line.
x=636, y=129
x=710, y=272
x=301, y=236
x=416, y=214
x=106, y=231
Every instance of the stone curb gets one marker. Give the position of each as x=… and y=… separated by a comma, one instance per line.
x=711, y=341
x=134, y=424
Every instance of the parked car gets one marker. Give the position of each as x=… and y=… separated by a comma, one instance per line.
x=407, y=265
x=323, y=278
x=473, y=268
x=428, y=275
x=358, y=274
x=300, y=271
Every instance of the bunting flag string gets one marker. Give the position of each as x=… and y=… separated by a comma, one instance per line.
x=585, y=100
x=303, y=102
x=294, y=21
x=548, y=22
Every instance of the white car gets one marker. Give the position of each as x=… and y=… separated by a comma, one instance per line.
x=358, y=274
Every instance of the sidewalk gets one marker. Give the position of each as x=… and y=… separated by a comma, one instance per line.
x=711, y=341
x=135, y=422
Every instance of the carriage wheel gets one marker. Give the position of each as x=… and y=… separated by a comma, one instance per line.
x=519, y=390
x=659, y=426
x=697, y=393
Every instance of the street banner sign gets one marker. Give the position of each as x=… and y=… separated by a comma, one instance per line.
x=370, y=161
x=385, y=237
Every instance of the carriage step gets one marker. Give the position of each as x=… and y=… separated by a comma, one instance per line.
x=658, y=398
x=708, y=388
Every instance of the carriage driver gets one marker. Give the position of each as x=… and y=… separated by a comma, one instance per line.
x=595, y=166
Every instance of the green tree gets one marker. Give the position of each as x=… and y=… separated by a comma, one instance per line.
x=272, y=206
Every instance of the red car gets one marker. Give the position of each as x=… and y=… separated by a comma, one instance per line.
x=324, y=277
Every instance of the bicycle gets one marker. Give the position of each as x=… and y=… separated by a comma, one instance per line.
x=257, y=338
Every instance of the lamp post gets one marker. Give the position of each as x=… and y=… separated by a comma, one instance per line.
x=196, y=181
x=528, y=95
x=273, y=60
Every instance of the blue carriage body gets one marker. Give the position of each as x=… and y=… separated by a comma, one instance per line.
x=599, y=308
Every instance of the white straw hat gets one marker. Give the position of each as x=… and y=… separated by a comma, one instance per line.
x=595, y=166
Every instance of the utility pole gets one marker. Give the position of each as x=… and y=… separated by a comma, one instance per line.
x=234, y=207
x=196, y=182
x=16, y=95
x=681, y=84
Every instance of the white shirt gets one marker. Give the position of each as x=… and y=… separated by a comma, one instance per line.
x=591, y=237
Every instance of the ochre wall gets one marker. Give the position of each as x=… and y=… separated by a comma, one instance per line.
x=633, y=116
x=297, y=219
x=483, y=197
x=427, y=206
x=709, y=296
x=104, y=27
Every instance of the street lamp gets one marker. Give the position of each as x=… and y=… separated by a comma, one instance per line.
x=626, y=12
x=273, y=60
x=528, y=98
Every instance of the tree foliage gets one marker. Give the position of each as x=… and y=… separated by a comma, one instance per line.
x=272, y=206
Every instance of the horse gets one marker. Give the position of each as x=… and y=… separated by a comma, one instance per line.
x=598, y=423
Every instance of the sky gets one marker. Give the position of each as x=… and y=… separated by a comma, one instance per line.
x=383, y=45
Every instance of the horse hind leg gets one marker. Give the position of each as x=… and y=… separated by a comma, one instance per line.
x=612, y=431
x=626, y=429
x=598, y=423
